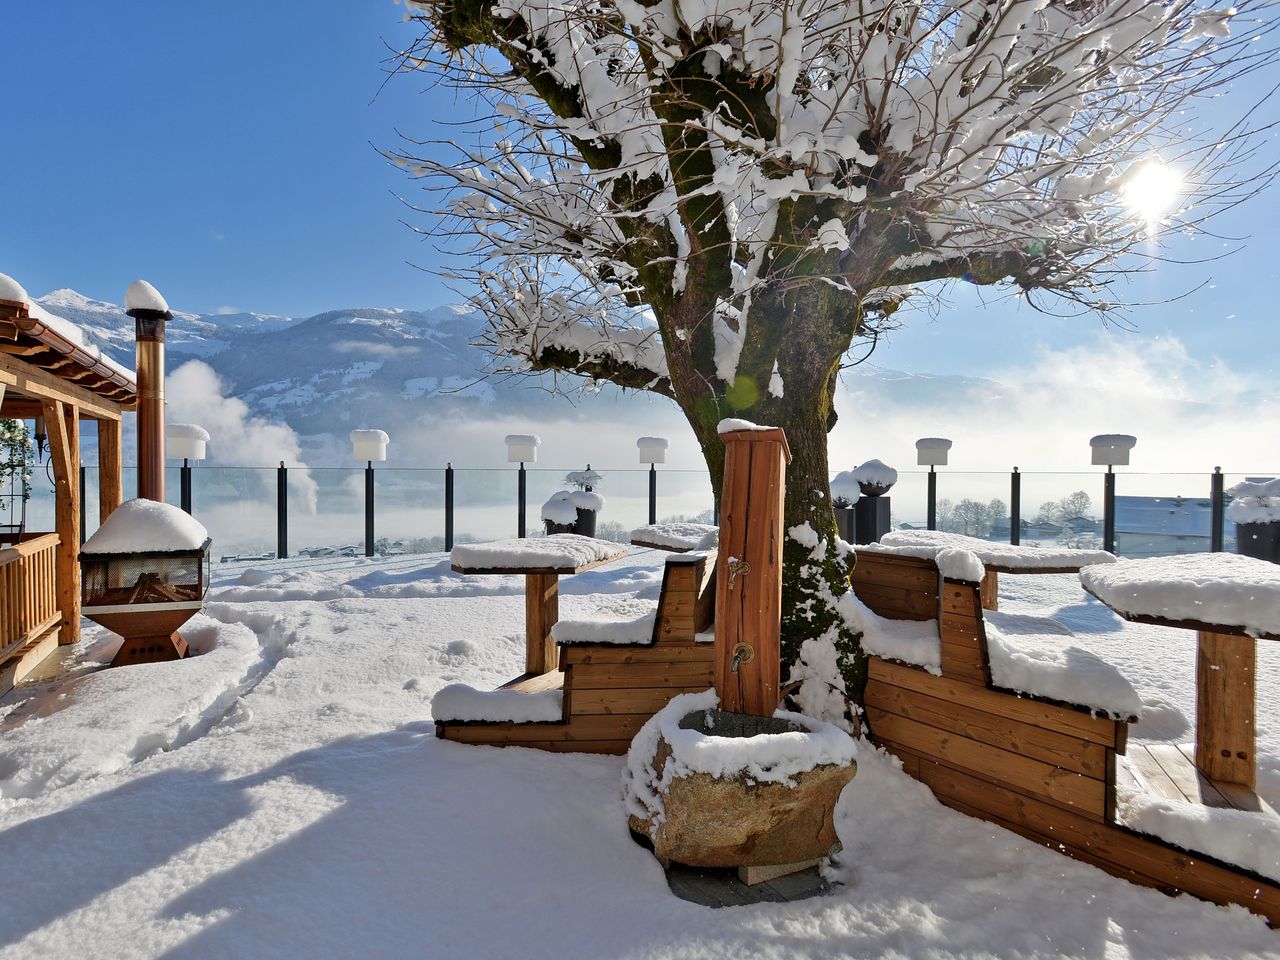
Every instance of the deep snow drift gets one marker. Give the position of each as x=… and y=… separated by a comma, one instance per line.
x=283, y=795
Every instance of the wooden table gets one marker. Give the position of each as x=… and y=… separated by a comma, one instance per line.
x=541, y=599
x=1226, y=692
x=998, y=558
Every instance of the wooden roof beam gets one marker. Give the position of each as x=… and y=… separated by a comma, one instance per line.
x=39, y=383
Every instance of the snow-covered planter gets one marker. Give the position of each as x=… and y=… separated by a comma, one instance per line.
x=575, y=511
x=845, y=493
x=875, y=478
x=1255, y=510
x=717, y=789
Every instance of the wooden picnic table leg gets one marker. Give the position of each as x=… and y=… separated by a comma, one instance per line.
x=990, y=590
x=1226, y=706
x=541, y=611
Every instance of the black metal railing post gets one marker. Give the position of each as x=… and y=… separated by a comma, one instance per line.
x=282, y=511
x=184, y=483
x=368, y=509
x=653, y=493
x=1109, y=512
x=1015, y=507
x=932, y=522
x=520, y=528
x=84, y=512
x=1217, y=506
x=448, y=506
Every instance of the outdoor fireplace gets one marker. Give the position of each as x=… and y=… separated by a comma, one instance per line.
x=143, y=575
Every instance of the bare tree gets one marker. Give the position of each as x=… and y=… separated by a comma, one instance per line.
x=719, y=200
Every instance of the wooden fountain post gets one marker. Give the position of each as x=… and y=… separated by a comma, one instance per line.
x=749, y=571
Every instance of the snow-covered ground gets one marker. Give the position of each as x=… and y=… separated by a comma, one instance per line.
x=283, y=795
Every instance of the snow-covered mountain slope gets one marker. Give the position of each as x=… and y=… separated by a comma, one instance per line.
x=416, y=374
x=194, y=334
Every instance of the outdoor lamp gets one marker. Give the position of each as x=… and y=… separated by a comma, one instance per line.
x=1110, y=450
x=369, y=445
x=185, y=440
x=932, y=452
x=653, y=450
x=522, y=448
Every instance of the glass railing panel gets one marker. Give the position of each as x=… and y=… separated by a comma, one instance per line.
x=408, y=510
x=237, y=505
x=484, y=505
x=1061, y=509
x=326, y=511
x=1162, y=514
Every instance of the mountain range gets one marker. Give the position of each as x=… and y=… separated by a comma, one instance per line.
x=414, y=373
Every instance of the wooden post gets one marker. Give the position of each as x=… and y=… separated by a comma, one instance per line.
x=541, y=611
x=1226, y=705
x=110, y=468
x=749, y=571
x=990, y=590
x=63, y=423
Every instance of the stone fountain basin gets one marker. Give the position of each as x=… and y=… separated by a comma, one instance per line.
x=717, y=789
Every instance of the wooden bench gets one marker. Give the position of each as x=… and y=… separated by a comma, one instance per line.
x=610, y=689
x=1039, y=767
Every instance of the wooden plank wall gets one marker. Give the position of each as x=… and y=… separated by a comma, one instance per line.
x=1044, y=770
x=611, y=690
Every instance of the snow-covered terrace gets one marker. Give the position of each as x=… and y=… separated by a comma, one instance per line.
x=283, y=794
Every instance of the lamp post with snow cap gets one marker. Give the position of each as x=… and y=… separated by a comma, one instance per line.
x=149, y=311
x=522, y=448
x=653, y=450
x=369, y=445
x=1110, y=450
x=932, y=452
x=186, y=440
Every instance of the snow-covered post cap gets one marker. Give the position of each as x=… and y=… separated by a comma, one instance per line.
x=875, y=477
x=11, y=290
x=369, y=444
x=185, y=441
x=142, y=297
x=932, y=451
x=652, y=449
x=523, y=447
x=1112, y=449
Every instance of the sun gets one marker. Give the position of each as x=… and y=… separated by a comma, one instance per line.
x=1151, y=189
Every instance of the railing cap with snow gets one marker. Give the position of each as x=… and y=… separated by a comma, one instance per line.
x=185, y=441
x=522, y=447
x=652, y=449
x=369, y=444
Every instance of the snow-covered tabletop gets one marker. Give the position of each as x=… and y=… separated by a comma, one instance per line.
x=671, y=536
x=562, y=553
x=1224, y=592
x=996, y=557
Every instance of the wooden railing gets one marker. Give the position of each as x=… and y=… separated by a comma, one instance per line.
x=28, y=592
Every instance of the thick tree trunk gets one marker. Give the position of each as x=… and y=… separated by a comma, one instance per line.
x=819, y=650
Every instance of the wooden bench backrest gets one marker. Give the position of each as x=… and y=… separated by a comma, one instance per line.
x=687, y=604
x=911, y=588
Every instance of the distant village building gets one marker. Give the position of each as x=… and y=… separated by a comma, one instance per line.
x=1160, y=526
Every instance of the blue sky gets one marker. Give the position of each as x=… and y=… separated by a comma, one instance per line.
x=227, y=153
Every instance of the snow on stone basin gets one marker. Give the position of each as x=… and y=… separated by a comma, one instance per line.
x=459, y=701
x=1225, y=589
x=561, y=551
x=677, y=536
x=140, y=526
x=1003, y=555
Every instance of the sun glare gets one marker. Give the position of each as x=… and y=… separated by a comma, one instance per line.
x=1151, y=189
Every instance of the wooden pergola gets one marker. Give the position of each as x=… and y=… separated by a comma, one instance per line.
x=46, y=372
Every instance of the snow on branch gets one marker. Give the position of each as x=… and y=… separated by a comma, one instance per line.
x=701, y=157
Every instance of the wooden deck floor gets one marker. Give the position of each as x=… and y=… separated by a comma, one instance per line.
x=1169, y=770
